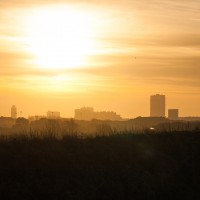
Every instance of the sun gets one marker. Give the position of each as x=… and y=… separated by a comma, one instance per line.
x=60, y=38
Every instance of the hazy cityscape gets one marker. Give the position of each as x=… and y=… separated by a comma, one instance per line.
x=88, y=121
x=99, y=100
x=157, y=109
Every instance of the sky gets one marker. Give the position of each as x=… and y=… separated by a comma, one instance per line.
x=110, y=55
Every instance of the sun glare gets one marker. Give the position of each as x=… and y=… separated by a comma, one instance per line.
x=60, y=38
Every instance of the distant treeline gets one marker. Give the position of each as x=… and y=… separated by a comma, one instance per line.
x=94, y=127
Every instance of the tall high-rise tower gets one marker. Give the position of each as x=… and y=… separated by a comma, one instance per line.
x=14, y=112
x=157, y=105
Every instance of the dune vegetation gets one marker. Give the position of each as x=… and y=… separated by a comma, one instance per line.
x=119, y=166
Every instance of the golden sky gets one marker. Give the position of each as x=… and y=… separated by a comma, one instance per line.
x=110, y=55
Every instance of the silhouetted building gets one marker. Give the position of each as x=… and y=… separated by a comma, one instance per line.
x=173, y=114
x=157, y=105
x=87, y=113
x=53, y=115
x=107, y=115
x=7, y=122
x=36, y=117
x=14, y=112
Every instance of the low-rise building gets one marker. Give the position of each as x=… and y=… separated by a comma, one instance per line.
x=173, y=114
x=88, y=113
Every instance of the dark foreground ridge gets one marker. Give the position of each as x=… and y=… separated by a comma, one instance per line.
x=126, y=166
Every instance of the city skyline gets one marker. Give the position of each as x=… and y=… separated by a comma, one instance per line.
x=157, y=108
x=110, y=55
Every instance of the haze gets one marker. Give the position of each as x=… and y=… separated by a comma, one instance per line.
x=110, y=55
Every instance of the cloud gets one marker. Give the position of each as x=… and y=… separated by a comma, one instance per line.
x=156, y=38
